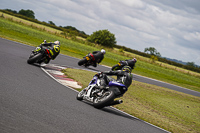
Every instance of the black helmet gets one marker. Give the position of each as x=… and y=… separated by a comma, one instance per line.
x=127, y=69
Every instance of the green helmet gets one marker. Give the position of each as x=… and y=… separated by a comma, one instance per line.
x=127, y=69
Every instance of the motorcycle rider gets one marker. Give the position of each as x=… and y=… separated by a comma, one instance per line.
x=53, y=47
x=130, y=62
x=124, y=76
x=98, y=56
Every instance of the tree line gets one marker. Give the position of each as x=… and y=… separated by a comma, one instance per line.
x=101, y=37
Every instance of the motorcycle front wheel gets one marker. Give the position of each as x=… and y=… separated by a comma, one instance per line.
x=104, y=100
x=35, y=58
x=82, y=61
x=80, y=95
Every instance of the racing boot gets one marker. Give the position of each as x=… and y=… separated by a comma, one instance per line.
x=94, y=64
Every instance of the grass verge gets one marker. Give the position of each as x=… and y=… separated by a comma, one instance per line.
x=168, y=109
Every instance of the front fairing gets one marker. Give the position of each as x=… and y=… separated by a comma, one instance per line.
x=114, y=83
x=94, y=80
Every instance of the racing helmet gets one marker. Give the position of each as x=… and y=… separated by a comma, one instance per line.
x=57, y=42
x=103, y=51
x=127, y=69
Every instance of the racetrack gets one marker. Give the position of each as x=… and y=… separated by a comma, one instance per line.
x=32, y=102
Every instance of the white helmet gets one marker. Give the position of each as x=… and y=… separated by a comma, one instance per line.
x=135, y=60
x=57, y=42
x=103, y=51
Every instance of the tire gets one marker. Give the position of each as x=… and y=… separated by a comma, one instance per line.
x=105, y=100
x=115, y=67
x=34, y=59
x=80, y=95
x=82, y=61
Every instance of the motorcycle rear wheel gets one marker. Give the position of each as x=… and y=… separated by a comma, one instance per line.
x=82, y=61
x=105, y=100
x=34, y=58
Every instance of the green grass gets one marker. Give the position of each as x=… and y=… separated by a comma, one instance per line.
x=168, y=109
x=34, y=36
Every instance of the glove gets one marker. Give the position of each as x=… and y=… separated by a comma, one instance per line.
x=99, y=74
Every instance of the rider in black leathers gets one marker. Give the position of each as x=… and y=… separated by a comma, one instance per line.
x=130, y=62
x=99, y=56
x=124, y=76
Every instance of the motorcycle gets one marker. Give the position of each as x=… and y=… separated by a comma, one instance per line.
x=101, y=96
x=87, y=60
x=119, y=65
x=39, y=55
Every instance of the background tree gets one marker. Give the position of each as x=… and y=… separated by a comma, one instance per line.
x=75, y=31
x=13, y=11
x=103, y=37
x=52, y=23
x=152, y=51
x=27, y=13
x=192, y=64
x=70, y=27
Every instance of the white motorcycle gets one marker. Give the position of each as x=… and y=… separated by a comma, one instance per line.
x=101, y=97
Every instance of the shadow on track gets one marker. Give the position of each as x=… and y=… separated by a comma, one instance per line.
x=118, y=113
x=37, y=65
x=113, y=111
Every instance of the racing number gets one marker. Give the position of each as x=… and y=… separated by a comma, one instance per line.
x=56, y=48
x=119, y=64
x=87, y=58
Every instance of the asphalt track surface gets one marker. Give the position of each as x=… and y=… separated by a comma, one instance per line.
x=33, y=102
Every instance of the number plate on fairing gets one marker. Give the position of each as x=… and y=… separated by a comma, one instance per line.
x=87, y=58
x=119, y=64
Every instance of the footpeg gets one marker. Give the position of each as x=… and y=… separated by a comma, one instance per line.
x=116, y=102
